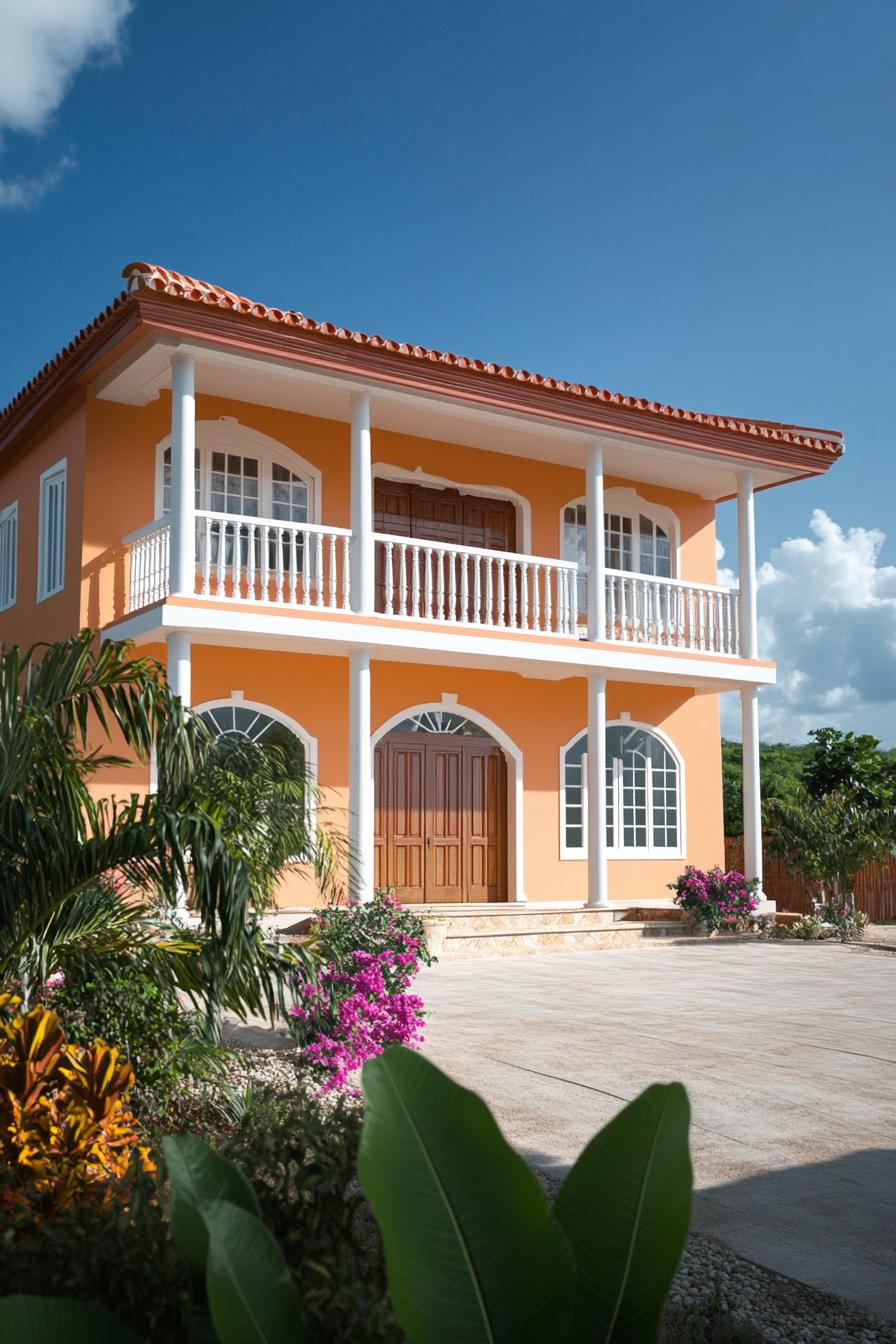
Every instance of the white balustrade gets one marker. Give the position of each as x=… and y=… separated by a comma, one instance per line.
x=306, y=565
x=245, y=559
x=672, y=613
x=469, y=585
x=149, y=551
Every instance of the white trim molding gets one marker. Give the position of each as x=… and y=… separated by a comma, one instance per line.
x=51, y=531
x=515, y=797
x=9, y=555
x=649, y=852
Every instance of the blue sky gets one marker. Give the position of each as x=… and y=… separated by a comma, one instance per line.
x=692, y=202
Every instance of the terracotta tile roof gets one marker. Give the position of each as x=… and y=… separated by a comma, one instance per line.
x=141, y=275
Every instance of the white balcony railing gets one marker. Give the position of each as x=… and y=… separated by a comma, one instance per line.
x=672, y=613
x=245, y=559
x=468, y=585
x=307, y=565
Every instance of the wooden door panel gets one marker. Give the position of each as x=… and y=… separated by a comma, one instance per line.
x=407, y=821
x=444, y=819
x=485, y=817
x=381, y=799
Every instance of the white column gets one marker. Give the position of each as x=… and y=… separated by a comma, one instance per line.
x=362, y=507
x=746, y=564
x=179, y=665
x=183, y=449
x=749, y=705
x=594, y=542
x=360, y=779
x=596, y=766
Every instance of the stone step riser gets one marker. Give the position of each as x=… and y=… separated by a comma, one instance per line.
x=458, y=947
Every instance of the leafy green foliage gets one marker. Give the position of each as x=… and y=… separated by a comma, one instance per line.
x=781, y=769
x=300, y=1154
x=261, y=796
x=637, y=1172
x=120, y=999
x=472, y=1249
x=380, y=925
x=849, y=764
x=82, y=876
x=118, y=1255
x=34, y=1320
x=829, y=839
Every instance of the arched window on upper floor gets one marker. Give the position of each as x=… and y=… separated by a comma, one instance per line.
x=640, y=537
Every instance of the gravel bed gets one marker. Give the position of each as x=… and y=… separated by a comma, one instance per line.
x=778, y=1309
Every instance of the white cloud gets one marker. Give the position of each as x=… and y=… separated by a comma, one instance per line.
x=21, y=193
x=827, y=615
x=45, y=43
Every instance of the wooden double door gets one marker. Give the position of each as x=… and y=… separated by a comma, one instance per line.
x=441, y=817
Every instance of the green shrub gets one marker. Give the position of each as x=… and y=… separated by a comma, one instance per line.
x=119, y=1254
x=300, y=1154
x=118, y=1000
x=706, y=1322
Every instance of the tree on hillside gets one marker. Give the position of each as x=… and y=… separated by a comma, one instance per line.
x=850, y=764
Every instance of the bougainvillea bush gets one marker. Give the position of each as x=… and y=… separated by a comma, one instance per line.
x=359, y=1003
x=716, y=899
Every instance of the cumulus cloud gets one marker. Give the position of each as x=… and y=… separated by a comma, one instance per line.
x=44, y=45
x=21, y=193
x=827, y=616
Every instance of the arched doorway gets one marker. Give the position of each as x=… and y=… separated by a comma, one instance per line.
x=440, y=787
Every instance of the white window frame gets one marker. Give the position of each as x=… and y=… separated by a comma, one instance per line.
x=227, y=433
x=649, y=851
x=48, y=479
x=9, y=581
x=625, y=500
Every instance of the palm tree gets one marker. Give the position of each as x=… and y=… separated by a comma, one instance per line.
x=82, y=875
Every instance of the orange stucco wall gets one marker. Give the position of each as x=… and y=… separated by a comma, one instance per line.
x=55, y=617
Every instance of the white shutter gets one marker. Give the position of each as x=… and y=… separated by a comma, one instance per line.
x=9, y=547
x=51, y=540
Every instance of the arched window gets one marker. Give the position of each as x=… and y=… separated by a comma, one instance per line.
x=440, y=721
x=237, y=720
x=639, y=537
x=240, y=471
x=643, y=796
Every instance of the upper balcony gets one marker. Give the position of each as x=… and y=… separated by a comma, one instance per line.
x=251, y=562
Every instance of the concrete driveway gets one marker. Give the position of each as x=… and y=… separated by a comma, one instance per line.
x=788, y=1053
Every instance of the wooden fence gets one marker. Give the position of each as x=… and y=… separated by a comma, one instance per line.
x=875, y=885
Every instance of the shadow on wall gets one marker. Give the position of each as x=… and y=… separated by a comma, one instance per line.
x=829, y=1224
x=104, y=572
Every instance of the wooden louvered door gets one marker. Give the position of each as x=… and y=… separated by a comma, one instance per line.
x=441, y=817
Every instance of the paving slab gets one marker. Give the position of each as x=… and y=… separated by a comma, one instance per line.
x=789, y=1056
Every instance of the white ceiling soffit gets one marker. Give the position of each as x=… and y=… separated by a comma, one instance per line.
x=145, y=372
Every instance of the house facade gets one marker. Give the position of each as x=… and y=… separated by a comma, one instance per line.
x=484, y=601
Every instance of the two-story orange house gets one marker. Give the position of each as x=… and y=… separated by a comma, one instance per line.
x=484, y=600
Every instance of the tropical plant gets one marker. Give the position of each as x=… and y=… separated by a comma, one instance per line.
x=715, y=899
x=262, y=798
x=358, y=1002
x=850, y=764
x=83, y=875
x=66, y=1128
x=474, y=1251
x=829, y=839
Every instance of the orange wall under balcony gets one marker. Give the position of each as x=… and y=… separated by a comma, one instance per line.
x=538, y=716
